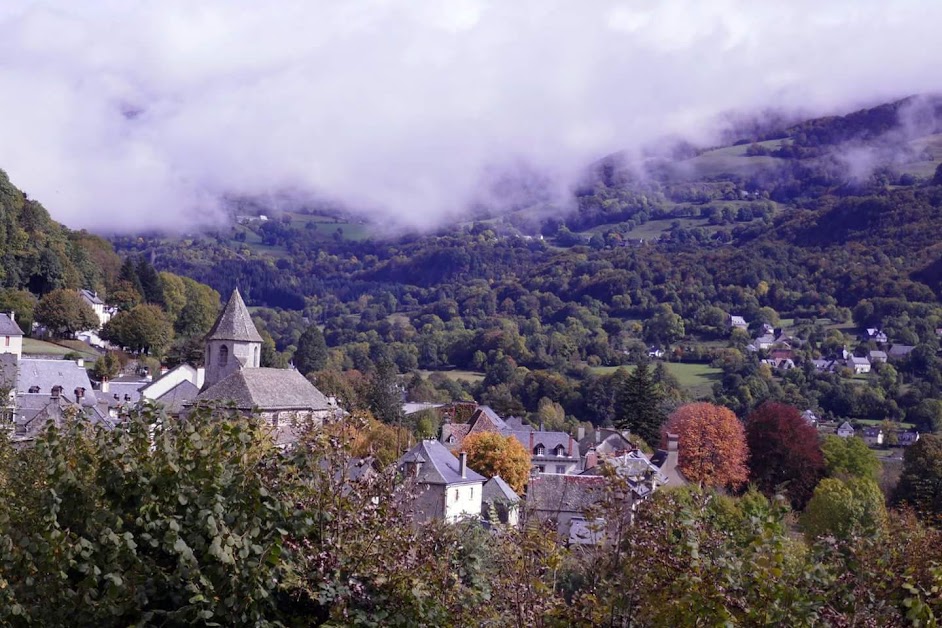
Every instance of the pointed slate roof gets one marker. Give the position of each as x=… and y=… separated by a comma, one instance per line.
x=235, y=322
x=496, y=489
x=8, y=326
x=440, y=466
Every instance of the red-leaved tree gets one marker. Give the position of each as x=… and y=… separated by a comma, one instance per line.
x=784, y=452
x=711, y=445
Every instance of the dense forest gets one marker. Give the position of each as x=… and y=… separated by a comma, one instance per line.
x=782, y=227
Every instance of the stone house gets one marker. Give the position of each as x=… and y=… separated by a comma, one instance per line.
x=446, y=488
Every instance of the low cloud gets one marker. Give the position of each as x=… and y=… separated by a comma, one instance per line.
x=128, y=115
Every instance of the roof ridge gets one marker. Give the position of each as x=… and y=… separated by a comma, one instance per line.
x=235, y=322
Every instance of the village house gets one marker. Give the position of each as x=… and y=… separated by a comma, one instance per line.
x=810, y=417
x=447, y=488
x=550, y=452
x=101, y=310
x=738, y=322
x=877, y=357
x=858, y=365
x=873, y=436
x=845, y=430
x=764, y=342
x=873, y=334
x=899, y=352
x=907, y=438
x=11, y=336
x=500, y=503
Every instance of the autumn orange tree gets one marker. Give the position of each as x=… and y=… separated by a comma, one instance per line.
x=711, y=445
x=490, y=454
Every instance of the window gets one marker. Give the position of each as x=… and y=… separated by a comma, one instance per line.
x=560, y=450
x=539, y=450
x=209, y=355
x=257, y=362
x=561, y=469
x=6, y=341
x=541, y=468
x=456, y=494
x=472, y=492
x=223, y=355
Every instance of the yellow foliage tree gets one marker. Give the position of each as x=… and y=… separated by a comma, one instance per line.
x=490, y=454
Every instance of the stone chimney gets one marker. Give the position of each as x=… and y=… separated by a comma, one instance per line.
x=105, y=385
x=598, y=435
x=79, y=394
x=531, y=442
x=580, y=432
x=591, y=459
x=12, y=316
x=463, y=464
x=570, y=446
x=56, y=391
x=80, y=362
x=672, y=442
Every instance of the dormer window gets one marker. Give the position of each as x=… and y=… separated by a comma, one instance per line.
x=451, y=439
x=34, y=389
x=539, y=450
x=560, y=450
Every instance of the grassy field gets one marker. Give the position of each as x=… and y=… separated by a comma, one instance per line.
x=469, y=376
x=697, y=379
x=925, y=167
x=31, y=346
x=729, y=160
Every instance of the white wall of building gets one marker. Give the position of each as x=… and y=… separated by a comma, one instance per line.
x=463, y=500
x=12, y=344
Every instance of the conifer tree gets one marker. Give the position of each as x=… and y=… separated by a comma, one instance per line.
x=638, y=405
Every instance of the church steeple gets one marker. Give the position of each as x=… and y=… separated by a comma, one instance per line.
x=233, y=343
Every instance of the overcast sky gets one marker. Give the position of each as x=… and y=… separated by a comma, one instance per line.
x=122, y=114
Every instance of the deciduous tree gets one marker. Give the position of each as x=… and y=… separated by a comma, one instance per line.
x=845, y=508
x=490, y=454
x=784, y=452
x=920, y=485
x=64, y=312
x=144, y=329
x=849, y=457
x=712, y=446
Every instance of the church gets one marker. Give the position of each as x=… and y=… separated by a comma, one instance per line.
x=232, y=376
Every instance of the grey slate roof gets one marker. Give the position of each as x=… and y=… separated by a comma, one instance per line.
x=118, y=390
x=8, y=370
x=91, y=297
x=439, y=466
x=266, y=388
x=174, y=399
x=550, y=492
x=900, y=351
x=49, y=373
x=550, y=440
x=235, y=322
x=496, y=490
x=8, y=326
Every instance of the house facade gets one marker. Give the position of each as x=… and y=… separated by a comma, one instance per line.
x=11, y=336
x=845, y=430
x=445, y=487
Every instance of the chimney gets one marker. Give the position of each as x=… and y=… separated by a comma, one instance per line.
x=531, y=441
x=598, y=435
x=672, y=442
x=580, y=432
x=80, y=362
x=541, y=426
x=570, y=446
x=79, y=394
x=591, y=459
x=56, y=391
x=164, y=370
x=105, y=386
x=12, y=316
x=463, y=464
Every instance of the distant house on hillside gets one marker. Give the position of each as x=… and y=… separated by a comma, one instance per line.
x=858, y=365
x=908, y=438
x=873, y=334
x=845, y=430
x=877, y=357
x=810, y=417
x=93, y=300
x=738, y=322
x=873, y=436
x=765, y=342
x=899, y=352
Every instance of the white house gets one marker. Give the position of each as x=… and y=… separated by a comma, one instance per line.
x=845, y=430
x=858, y=365
x=11, y=336
x=447, y=488
x=738, y=322
x=102, y=312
